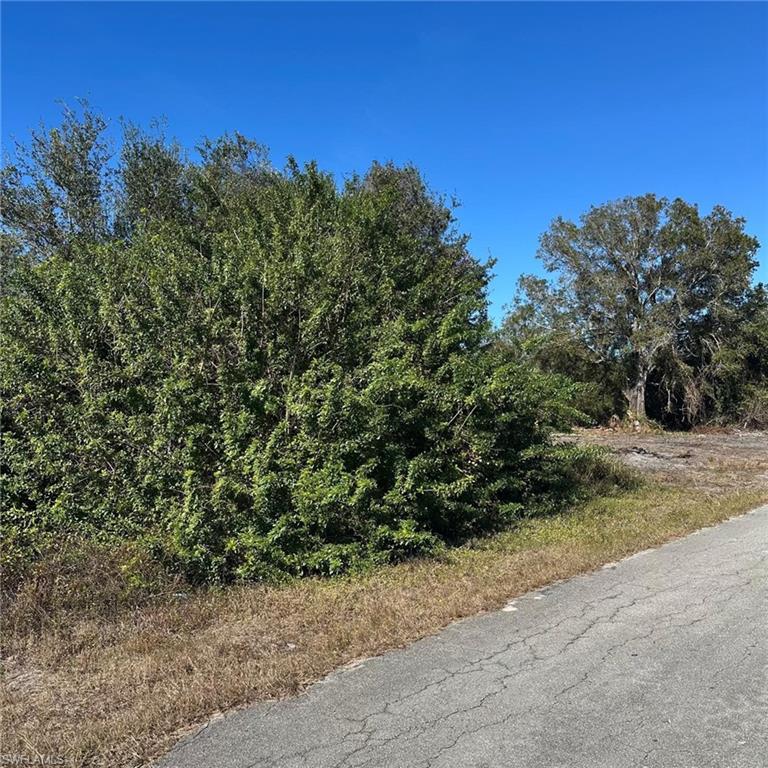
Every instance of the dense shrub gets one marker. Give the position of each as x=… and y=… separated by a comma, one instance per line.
x=254, y=372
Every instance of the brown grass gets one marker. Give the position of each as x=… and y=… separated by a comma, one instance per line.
x=116, y=687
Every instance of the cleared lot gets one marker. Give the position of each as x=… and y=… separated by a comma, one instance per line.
x=718, y=462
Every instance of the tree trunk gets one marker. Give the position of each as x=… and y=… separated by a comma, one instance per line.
x=635, y=395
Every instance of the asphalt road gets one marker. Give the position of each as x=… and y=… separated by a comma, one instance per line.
x=659, y=661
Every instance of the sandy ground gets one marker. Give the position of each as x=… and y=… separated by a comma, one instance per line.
x=716, y=462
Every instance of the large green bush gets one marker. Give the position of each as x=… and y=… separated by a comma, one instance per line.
x=252, y=372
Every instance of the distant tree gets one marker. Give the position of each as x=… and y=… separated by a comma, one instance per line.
x=639, y=283
x=724, y=377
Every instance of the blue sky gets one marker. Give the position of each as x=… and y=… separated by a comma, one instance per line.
x=523, y=111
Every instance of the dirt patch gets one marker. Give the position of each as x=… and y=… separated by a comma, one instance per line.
x=718, y=463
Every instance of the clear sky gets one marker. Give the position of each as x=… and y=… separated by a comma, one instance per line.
x=523, y=111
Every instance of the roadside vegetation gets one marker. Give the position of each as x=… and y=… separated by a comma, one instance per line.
x=109, y=671
x=257, y=424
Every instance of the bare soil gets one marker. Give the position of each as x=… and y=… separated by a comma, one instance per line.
x=718, y=462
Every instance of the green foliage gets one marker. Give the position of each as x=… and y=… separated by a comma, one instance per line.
x=724, y=378
x=572, y=473
x=255, y=372
x=651, y=307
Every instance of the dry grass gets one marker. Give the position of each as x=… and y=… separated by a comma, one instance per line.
x=116, y=688
x=715, y=461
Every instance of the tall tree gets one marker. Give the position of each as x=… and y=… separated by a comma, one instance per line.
x=635, y=283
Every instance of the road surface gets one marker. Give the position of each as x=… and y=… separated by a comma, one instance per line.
x=660, y=661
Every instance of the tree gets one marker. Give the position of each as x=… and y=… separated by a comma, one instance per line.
x=639, y=283
x=58, y=188
x=724, y=377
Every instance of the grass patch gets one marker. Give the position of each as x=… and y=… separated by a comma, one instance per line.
x=116, y=687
